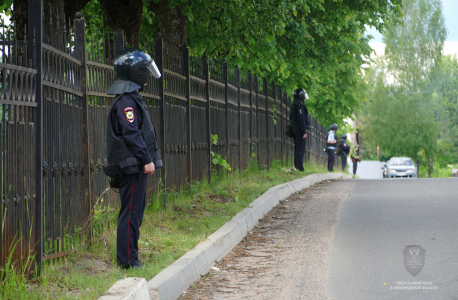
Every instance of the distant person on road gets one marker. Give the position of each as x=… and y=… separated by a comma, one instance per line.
x=344, y=150
x=299, y=126
x=331, y=146
x=355, y=159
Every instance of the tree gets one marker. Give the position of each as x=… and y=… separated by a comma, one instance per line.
x=314, y=44
x=62, y=12
x=444, y=85
x=402, y=116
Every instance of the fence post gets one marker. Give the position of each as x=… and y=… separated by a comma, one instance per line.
x=118, y=43
x=35, y=29
x=282, y=128
x=288, y=101
x=249, y=81
x=80, y=52
x=256, y=84
x=226, y=105
x=274, y=126
x=286, y=124
x=206, y=73
x=266, y=93
x=159, y=60
x=188, y=110
x=239, y=129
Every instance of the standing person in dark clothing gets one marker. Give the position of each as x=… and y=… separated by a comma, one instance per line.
x=299, y=126
x=132, y=149
x=355, y=159
x=344, y=150
x=331, y=144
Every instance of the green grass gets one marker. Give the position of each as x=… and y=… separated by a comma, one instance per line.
x=192, y=214
x=438, y=172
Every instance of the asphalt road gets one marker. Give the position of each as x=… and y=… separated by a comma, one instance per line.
x=377, y=222
x=345, y=239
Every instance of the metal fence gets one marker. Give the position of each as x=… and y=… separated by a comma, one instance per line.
x=53, y=117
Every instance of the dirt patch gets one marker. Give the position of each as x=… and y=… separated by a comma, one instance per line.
x=221, y=199
x=89, y=265
x=284, y=256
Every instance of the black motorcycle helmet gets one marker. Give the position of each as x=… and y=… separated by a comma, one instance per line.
x=343, y=136
x=333, y=126
x=135, y=65
x=300, y=94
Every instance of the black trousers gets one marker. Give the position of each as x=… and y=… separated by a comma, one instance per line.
x=331, y=156
x=344, y=161
x=133, y=191
x=355, y=166
x=299, y=152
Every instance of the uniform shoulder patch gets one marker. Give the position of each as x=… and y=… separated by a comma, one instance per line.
x=129, y=114
x=300, y=111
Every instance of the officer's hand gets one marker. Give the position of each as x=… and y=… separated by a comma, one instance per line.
x=304, y=136
x=149, y=169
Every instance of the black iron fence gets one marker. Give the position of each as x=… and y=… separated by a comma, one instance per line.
x=53, y=117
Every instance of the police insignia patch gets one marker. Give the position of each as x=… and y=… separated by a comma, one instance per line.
x=300, y=111
x=129, y=114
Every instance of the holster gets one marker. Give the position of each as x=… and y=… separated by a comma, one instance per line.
x=113, y=172
x=116, y=171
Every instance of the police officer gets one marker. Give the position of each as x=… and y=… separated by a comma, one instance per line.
x=355, y=159
x=331, y=144
x=299, y=126
x=132, y=149
x=344, y=150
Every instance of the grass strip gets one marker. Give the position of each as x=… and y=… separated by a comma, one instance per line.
x=192, y=214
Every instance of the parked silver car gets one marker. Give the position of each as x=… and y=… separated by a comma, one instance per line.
x=401, y=167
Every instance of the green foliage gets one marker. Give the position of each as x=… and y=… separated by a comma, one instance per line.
x=6, y=6
x=400, y=113
x=444, y=83
x=445, y=153
x=216, y=158
x=214, y=138
x=317, y=45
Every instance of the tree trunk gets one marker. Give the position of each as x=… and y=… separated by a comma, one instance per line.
x=125, y=15
x=430, y=166
x=71, y=7
x=174, y=31
x=63, y=13
x=20, y=16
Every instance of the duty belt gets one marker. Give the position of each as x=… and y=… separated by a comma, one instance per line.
x=133, y=161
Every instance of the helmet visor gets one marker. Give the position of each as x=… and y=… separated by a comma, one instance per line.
x=152, y=68
x=306, y=95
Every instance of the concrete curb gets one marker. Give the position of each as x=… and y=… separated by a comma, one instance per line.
x=171, y=282
x=130, y=288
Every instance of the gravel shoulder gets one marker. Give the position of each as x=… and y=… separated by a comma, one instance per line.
x=284, y=256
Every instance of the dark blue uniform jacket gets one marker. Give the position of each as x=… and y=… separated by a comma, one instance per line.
x=298, y=117
x=127, y=120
